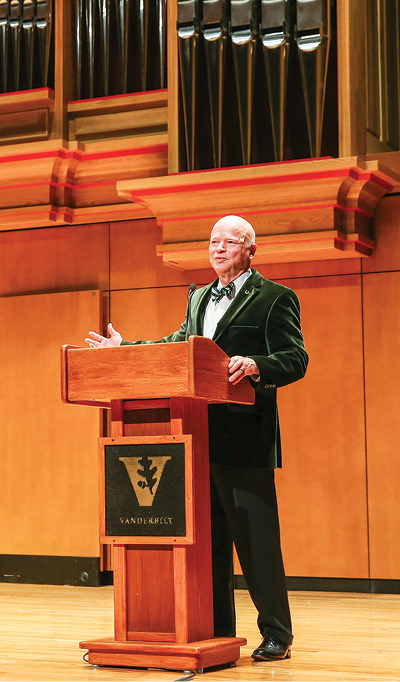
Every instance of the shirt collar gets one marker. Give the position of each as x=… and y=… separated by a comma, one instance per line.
x=239, y=281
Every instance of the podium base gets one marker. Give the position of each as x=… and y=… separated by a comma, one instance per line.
x=193, y=656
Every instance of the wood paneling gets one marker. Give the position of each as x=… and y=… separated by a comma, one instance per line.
x=278, y=271
x=173, y=89
x=48, y=466
x=119, y=116
x=145, y=422
x=25, y=116
x=387, y=253
x=322, y=487
x=23, y=126
x=56, y=259
x=351, y=46
x=382, y=380
x=322, y=421
x=64, y=74
x=150, y=591
x=121, y=124
x=148, y=314
x=134, y=263
x=133, y=259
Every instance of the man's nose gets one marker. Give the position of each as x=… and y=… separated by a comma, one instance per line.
x=221, y=246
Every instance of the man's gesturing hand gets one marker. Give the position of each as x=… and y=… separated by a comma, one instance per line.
x=99, y=341
x=239, y=367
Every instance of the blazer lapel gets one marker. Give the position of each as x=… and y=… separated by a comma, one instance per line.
x=198, y=306
x=249, y=290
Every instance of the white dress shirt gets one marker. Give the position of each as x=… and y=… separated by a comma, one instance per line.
x=215, y=311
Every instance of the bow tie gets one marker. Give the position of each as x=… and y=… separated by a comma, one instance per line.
x=217, y=294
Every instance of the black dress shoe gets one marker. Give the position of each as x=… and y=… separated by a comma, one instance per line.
x=272, y=649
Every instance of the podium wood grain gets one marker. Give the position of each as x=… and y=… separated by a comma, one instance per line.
x=163, y=598
x=177, y=369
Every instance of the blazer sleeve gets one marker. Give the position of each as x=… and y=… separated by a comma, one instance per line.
x=179, y=335
x=286, y=359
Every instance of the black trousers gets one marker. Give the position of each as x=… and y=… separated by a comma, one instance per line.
x=244, y=510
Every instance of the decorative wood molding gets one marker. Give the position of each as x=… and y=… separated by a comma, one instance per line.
x=25, y=116
x=306, y=210
x=135, y=114
x=272, y=249
x=56, y=182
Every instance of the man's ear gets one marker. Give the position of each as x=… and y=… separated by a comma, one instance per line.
x=253, y=250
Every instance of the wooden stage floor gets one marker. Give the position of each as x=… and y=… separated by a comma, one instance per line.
x=337, y=637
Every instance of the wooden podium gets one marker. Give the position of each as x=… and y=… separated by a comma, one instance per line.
x=154, y=496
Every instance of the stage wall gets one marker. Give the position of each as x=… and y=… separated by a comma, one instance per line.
x=338, y=490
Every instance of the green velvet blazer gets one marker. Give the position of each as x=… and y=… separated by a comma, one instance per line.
x=262, y=322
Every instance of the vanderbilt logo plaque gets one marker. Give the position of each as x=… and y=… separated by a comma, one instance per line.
x=145, y=474
x=145, y=489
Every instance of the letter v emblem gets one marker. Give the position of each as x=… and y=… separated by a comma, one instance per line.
x=145, y=475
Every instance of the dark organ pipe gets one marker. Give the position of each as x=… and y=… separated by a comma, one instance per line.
x=120, y=46
x=15, y=31
x=188, y=49
x=79, y=42
x=313, y=36
x=44, y=26
x=4, y=31
x=162, y=41
x=25, y=30
x=275, y=28
x=143, y=23
x=28, y=10
x=265, y=62
x=90, y=42
x=243, y=32
x=123, y=16
x=104, y=23
x=214, y=30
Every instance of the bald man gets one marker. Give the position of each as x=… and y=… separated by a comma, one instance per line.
x=257, y=323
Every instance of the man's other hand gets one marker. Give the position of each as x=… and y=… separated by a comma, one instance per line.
x=99, y=341
x=240, y=366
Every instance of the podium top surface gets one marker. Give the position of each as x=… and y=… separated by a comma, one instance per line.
x=196, y=368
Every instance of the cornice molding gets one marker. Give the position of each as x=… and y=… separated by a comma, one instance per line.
x=58, y=182
x=304, y=210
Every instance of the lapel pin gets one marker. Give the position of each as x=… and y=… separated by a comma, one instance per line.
x=247, y=291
